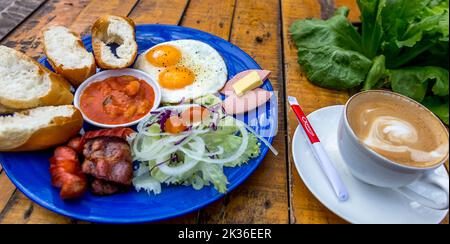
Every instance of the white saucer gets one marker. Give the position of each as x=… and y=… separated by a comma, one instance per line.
x=367, y=204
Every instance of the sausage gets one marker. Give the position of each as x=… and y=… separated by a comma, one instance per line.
x=249, y=101
x=66, y=173
x=228, y=88
x=65, y=167
x=76, y=144
x=116, y=132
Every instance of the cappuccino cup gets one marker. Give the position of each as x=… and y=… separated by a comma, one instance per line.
x=389, y=140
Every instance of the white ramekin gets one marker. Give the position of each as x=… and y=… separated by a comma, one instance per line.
x=115, y=73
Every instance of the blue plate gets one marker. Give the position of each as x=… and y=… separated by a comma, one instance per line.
x=30, y=171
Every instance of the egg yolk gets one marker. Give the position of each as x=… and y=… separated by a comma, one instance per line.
x=163, y=56
x=174, y=78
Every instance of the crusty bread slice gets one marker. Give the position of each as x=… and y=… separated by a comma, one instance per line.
x=120, y=30
x=66, y=53
x=26, y=84
x=39, y=128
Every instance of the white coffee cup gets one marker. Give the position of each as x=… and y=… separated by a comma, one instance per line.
x=374, y=169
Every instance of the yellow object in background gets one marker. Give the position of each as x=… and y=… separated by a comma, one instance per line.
x=247, y=83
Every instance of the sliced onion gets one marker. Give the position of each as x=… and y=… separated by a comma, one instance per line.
x=156, y=146
x=169, y=148
x=187, y=165
x=169, y=134
x=178, y=108
x=147, y=183
x=178, y=170
x=232, y=158
x=140, y=126
x=220, y=151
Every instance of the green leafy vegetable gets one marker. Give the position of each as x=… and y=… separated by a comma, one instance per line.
x=376, y=73
x=334, y=67
x=336, y=31
x=330, y=51
x=372, y=30
x=402, y=45
x=439, y=106
x=414, y=81
x=409, y=82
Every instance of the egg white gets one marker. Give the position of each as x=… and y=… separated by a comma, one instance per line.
x=203, y=60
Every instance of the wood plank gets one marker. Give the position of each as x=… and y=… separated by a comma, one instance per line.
x=21, y=210
x=27, y=37
x=96, y=8
x=305, y=208
x=159, y=12
x=13, y=12
x=211, y=16
x=263, y=197
x=7, y=189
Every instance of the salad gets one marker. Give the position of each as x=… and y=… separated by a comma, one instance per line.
x=190, y=144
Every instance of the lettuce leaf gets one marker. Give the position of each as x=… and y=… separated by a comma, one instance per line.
x=329, y=51
x=334, y=67
x=372, y=27
x=214, y=173
x=376, y=73
x=336, y=31
x=411, y=28
x=231, y=143
x=414, y=81
x=439, y=106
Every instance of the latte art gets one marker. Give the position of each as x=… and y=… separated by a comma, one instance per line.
x=394, y=135
x=392, y=130
x=398, y=129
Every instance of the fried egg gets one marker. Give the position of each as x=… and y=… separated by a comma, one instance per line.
x=185, y=69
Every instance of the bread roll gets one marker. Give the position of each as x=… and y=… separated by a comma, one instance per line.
x=27, y=84
x=66, y=54
x=110, y=29
x=39, y=128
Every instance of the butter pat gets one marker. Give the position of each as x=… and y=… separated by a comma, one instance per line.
x=247, y=83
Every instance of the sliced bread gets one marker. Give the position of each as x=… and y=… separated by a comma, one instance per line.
x=27, y=84
x=39, y=128
x=115, y=30
x=66, y=53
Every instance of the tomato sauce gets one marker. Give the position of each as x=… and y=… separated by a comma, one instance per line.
x=117, y=100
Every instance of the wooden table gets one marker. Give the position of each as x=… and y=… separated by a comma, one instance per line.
x=274, y=193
